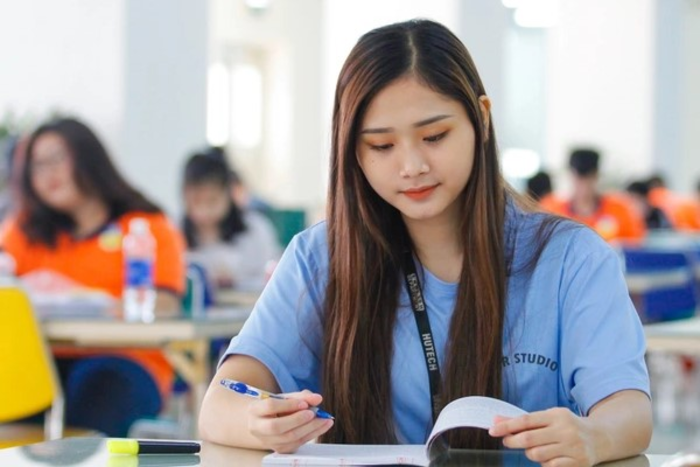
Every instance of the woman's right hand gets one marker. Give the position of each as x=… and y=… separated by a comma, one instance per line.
x=285, y=424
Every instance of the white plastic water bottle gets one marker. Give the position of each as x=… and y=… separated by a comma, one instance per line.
x=139, y=248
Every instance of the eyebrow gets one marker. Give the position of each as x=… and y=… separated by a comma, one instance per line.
x=419, y=124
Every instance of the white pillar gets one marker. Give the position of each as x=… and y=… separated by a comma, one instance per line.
x=689, y=172
x=164, y=115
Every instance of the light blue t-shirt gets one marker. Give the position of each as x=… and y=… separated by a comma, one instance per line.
x=572, y=336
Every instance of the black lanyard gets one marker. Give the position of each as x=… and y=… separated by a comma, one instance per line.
x=426, y=335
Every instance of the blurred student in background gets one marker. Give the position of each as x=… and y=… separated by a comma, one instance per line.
x=608, y=214
x=74, y=210
x=241, y=194
x=539, y=187
x=233, y=244
x=654, y=218
x=681, y=211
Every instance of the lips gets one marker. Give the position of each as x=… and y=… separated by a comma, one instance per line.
x=420, y=193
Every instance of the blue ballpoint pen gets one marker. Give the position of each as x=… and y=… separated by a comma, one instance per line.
x=247, y=390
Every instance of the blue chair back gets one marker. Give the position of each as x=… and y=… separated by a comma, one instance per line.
x=199, y=294
x=666, y=302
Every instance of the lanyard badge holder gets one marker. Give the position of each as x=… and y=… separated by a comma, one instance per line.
x=420, y=312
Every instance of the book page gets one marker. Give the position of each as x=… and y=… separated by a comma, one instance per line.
x=351, y=454
x=473, y=411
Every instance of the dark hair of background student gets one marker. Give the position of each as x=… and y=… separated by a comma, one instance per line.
x=539, y=185
x=94, y=174
x=584, y=162
x=205, y=168
x=656, y=180
x=367, y=239
x=639, y=187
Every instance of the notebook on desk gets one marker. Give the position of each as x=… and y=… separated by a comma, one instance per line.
x=53, y=295
x=477, y=412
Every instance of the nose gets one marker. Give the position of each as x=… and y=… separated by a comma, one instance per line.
x=413, y=164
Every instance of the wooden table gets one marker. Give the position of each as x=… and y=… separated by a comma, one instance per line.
x=185, y=342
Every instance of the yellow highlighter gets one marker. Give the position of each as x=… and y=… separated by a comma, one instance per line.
x=152, y=446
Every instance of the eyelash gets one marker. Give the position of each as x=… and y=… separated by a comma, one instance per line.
x=427, y=139
x=435, y=138
x=380, y=148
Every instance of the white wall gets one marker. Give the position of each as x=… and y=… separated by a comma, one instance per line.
x=164, y=116
x=134, y=71
x=668, y=88
x=677, y=92
x=65, y=56
x=600, y=85
x=688, y=174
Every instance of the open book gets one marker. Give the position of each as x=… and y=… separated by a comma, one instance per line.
x=473, y=411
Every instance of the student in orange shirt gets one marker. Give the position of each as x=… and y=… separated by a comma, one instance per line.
x=610, y=215
x=654, y=218
x=539, y=187
x=681, y=211
x=74, y=211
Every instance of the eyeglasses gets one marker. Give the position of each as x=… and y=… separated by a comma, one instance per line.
x=46, y=164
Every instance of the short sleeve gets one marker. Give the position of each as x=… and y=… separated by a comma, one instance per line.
x=284, y=330
x=602, y=339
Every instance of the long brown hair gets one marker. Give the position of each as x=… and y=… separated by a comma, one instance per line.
x=367, y=238
x=94, y=174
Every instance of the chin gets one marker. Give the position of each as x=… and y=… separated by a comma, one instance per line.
x=418, y=216
x=61, y=204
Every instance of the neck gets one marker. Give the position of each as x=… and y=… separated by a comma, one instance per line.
x=584, y=204
x=208, y=235
x=91, y=215
x=438, y=247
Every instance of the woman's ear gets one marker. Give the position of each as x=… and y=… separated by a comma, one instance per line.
x=485, y=106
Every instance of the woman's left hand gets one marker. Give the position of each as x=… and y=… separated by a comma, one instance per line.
x=554, y=437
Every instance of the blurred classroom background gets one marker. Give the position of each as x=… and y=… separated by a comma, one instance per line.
x=159, y=80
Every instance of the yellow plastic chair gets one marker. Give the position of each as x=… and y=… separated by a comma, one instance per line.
x=28, y=377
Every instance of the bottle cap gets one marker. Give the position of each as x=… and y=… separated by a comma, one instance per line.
x=138, y=225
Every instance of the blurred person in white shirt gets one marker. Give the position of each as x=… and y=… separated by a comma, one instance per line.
x=235, y=245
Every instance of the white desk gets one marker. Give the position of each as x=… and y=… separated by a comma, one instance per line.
x=92, y=452
x=638, y=283
x=185, y=342
x=682, y=336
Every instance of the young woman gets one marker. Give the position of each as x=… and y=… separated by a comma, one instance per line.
x=74, y=210
x=233, y=244
x=520, y=305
